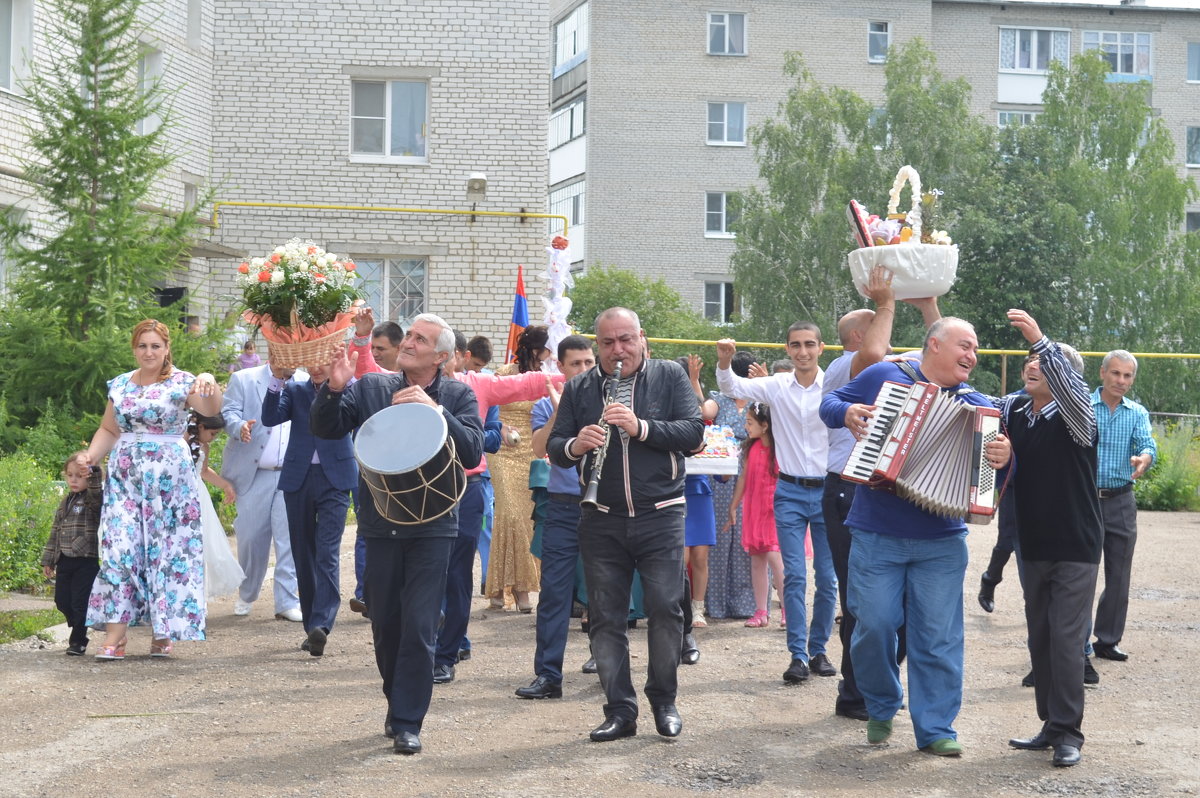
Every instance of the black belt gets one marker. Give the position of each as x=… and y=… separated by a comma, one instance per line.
x=473, y=478
x=1108, y=493
x=804, y=482
x=564, y=498
x=270, y=468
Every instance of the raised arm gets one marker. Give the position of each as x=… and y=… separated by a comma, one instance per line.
x=733, y=386
x=1066, y=384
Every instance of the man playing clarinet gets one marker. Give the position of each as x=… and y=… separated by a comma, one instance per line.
x=907, y=564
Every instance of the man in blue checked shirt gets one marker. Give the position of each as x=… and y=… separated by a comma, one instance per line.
x=1126, y=451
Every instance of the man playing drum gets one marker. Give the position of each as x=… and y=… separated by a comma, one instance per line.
x=406, y=564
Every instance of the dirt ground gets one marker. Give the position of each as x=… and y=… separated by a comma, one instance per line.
x=247, y=714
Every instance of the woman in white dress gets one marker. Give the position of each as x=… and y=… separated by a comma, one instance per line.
x=222, y=574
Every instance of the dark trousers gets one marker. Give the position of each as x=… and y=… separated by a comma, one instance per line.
x=1058, y=605
x=73, y=578
x=1119, y=515
x=560, y=550
x=612, y=547
x=835, y=505
x=316, y=521
x=458, y=575
x=405, y=581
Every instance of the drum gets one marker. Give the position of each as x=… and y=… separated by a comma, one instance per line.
x=409, y=464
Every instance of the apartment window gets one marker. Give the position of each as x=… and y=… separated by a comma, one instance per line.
x=568, y=123
x=1031, y=50
x=879, y=128
x=879, y=38
x=567, y=201
x=16, y=40
x=1193, y=73
x=1193, y=222
x=149, y=73
x=395, y=284
x=195, y=22
x=571, y=40
x=719, y=214
x=1193, y=147
x=1012, y=118
x=718, y=302
x=727, y=123
x=1126, y=53
x=389, y=118
x=726, y=33
x=16, y=216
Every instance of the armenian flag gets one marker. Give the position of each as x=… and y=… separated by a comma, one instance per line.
x=520, y=318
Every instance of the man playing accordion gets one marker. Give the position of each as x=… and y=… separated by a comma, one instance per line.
x=907, y=564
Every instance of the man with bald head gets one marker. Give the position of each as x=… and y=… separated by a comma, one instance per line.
x=646, y=419
x=865, y=336
x=906, y=564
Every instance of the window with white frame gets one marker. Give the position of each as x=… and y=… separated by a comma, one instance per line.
x=1126, y=53
x=1013, y=118
x=720, y=213
x=719, y=304
x=879, y=38
x=1193, y=66
x=397, y=286
x=16, y=216
x=726, y=33
x=1032, y=50
x=1193, y=222
x=1193, y=146
x=16, y=40
x=571, y=40
x=195, y=23
x=389, y=119
x=149, y=73
x=568, y=123
x=568, y=201
x=879, y=128
x=727, y=123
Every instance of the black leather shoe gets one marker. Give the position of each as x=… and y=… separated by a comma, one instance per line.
x=407, y=743
x=821, y=666
x=388, y=731
x=443, y=674
x=305, y=646
x=987, y=593
x=691, y=652
x=797, y=672
x=1090, y=675
x=1066, y=755
x=541, y=687
x=614, y=729
x=1027, y=681
x=1104, y=651
x=667, y=720
x=464, y=654
x=316, y=641
x=589, y=666
x=1037, y=742
x=852, y=712
x=359, y=606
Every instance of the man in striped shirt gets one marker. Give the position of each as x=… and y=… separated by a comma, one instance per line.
x=1126, y=451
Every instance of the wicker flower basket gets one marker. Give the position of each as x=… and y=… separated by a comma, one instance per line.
x=316, y=352
x=919, y=270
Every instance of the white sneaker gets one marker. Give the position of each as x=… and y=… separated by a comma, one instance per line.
x=292, y=614
x=241, y=607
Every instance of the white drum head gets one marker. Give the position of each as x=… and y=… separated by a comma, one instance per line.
x=400, y=438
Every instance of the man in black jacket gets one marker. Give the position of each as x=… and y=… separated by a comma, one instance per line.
x=406, y=565
x=648, y=417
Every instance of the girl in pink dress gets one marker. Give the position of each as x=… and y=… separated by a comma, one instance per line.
x=756, y=485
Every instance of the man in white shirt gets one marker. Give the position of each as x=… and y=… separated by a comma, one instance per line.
x=801, y=449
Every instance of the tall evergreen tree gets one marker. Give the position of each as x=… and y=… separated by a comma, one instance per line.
x=86, y=275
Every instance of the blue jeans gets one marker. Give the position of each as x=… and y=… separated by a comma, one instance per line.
x=484, y=545
x=798, y=508
x=918, y=582
x=560, y=551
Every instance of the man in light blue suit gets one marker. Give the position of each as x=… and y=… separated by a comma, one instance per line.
x=252, y=461
x=317, y=476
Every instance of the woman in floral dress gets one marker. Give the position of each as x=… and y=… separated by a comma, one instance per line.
x=151, y=549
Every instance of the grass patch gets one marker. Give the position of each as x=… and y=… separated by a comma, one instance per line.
x=20, y=624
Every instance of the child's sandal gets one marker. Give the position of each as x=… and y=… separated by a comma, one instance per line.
x=161, y=650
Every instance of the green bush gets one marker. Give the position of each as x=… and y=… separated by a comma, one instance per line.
x=27, y=505
x=1174, y=479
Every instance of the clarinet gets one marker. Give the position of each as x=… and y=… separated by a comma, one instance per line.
x=593, y=486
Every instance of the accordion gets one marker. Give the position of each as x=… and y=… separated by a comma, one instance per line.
x=928, y=447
